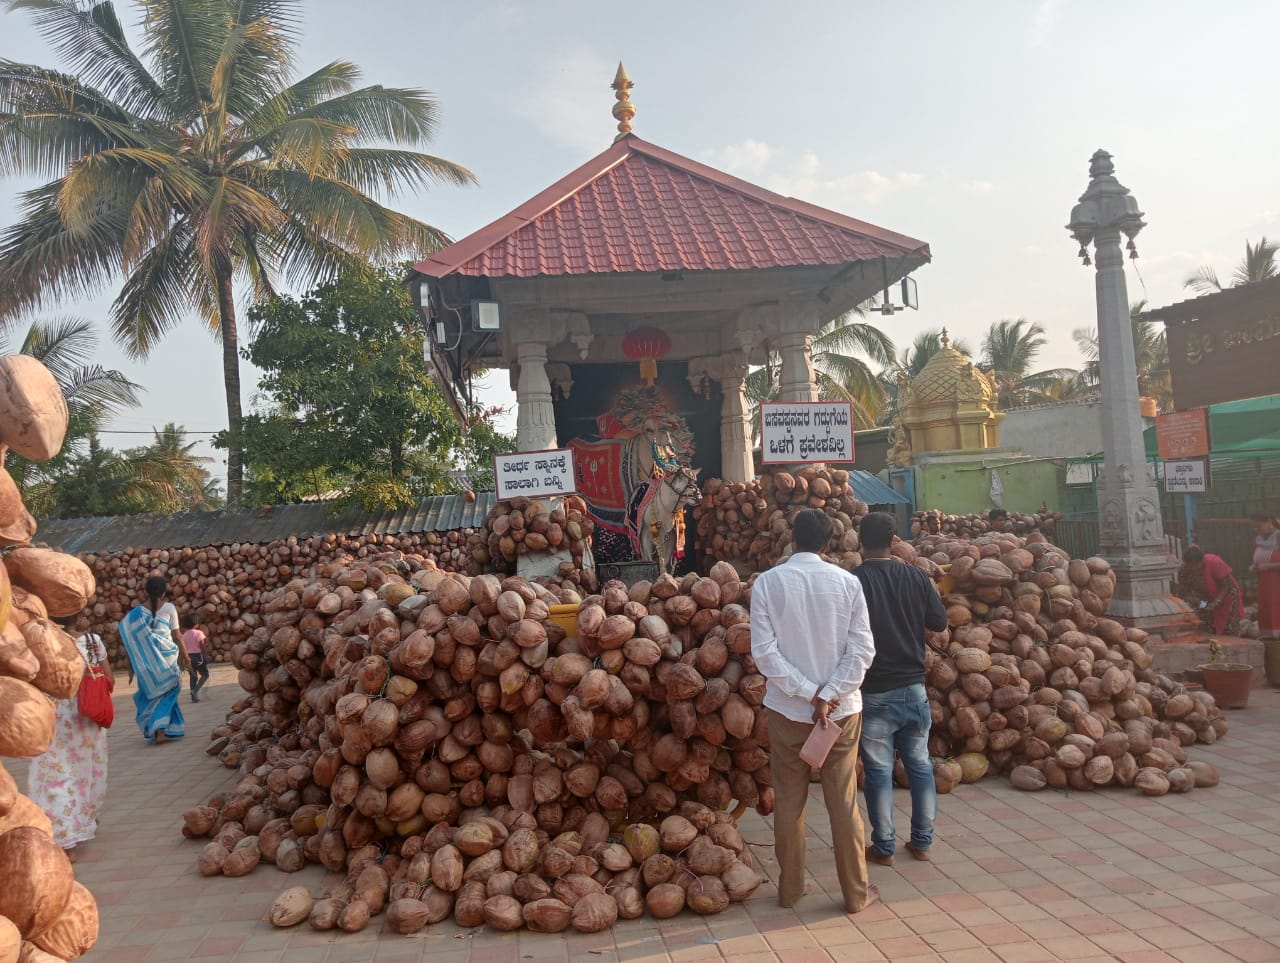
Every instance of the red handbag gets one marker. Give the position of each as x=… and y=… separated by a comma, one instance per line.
x=94, y=697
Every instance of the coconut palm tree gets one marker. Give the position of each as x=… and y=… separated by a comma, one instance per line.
x=1151, y=354
x=1009, y=352
x=202, y=164
x=1258, y=264
x=167, y=476
x=843, y=351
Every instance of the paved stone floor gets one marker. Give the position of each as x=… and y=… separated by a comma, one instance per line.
x=1015, y=878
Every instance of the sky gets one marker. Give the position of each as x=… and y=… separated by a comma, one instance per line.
x=969, y=126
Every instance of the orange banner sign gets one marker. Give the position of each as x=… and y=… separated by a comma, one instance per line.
x=1183, y=434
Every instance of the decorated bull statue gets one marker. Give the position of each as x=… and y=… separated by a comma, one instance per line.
x=636, y=480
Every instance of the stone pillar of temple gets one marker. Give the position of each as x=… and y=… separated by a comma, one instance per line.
x=736, y=463
x=1131, y=527
x=535, y=415
x=796, y=380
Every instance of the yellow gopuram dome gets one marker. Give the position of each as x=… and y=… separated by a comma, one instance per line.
x=951, y=376
x=949, y=406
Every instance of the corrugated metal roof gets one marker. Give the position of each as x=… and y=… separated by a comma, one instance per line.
x=438, y=513
x=637, y=207
x=873, y=491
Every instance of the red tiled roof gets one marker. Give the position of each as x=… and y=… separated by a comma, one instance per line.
x=639, y=208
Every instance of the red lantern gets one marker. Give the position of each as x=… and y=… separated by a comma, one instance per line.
x=647, y=345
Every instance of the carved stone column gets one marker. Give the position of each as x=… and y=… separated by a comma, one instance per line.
x=796, y=380
x=535, y=416
x=1131, y=528
x=736, y=463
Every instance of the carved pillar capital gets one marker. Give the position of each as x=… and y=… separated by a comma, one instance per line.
x=577, y=328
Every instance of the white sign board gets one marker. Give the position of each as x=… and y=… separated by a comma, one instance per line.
x=1187, y=477
x=534, y=474
x=801, y=432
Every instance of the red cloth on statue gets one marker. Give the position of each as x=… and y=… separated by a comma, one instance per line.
x=1217, y=575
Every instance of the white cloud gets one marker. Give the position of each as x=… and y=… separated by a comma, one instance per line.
x=569, y=99
x=745, y=159
x=979, y=187
x=805, y=176
x=1045, y=22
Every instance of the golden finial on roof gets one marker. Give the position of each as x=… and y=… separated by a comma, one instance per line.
x=944, y=339
x=624, y=109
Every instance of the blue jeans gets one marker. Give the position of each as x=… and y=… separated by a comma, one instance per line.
x=898, y=719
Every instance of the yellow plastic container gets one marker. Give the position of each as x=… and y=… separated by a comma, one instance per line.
x=566, y=616
x=948, y=584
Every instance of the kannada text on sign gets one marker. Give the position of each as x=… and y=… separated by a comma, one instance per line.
x=803, y=432
x=537, y=474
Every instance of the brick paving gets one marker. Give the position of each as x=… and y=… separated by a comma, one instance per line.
x=1016, y=878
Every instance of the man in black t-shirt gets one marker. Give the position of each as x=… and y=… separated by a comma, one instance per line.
x=902, y=602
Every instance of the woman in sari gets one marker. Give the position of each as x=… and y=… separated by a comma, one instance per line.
x=151, y=637
x=1266, y=565
x=70, y=779
x=1221, y=605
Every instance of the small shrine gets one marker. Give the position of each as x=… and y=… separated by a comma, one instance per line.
x=948, y=406
x=947, y=435
x=630, y=300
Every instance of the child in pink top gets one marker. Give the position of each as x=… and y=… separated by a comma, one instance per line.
x=193, y=640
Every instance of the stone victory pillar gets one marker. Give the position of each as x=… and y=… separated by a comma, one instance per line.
x=1132, y=531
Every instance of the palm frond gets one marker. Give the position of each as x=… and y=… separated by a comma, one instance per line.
x=401, y=115
x=256, y=129
x=388, y=172
x=41, y=261
x=184, y=39
x=844, y=335
x=251, y=68
x=165, y=284
x=1259, y=263
x=1203, y=280
x=61, y=344
x=93, y=42
x=95, y=388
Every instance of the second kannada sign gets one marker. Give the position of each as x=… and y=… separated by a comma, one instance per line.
x=1183, y=434
x=799, y=432
x=534, y=474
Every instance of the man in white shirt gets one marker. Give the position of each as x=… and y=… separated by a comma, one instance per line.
x=811, y=639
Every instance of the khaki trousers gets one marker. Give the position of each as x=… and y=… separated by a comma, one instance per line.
x=839, y=792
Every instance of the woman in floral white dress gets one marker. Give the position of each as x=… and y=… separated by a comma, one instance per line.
x=69, y=781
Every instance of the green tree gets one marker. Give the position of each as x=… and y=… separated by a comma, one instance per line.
x=1151, y=356
x=162, y=477
x=200, y=165
x=843, y=351
x=1009, y=352
x=67, y=347
x=349, y=402
x=1258, y=264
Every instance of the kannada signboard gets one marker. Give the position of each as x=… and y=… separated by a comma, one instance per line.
x=534, y=474
x=1224, y=346
x=1185, y=477
x=805, y=432
x=1183, y=434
